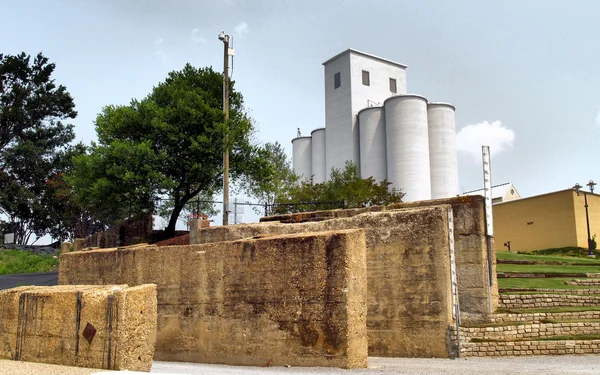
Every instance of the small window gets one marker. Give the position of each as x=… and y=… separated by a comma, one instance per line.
x=365, y=78
x=337, y=82
x=393, y=85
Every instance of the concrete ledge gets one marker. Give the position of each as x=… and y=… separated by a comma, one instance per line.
x=108, y=327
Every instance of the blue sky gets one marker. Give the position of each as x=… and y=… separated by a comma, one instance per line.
x=523, y=75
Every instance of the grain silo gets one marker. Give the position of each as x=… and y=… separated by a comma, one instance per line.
x=371, y=127
x=369, y=120
x=442, y=150
x=318, y=155
x=302, y=157
x=407, y=143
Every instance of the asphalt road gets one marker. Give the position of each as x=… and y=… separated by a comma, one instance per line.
x=534, y=365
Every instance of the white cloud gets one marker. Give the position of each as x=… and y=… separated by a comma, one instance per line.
x=197, y=38
x=470, y=138
x=242, y=28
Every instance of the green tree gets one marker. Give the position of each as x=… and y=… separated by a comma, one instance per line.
x=278, y=176
x=33, y=142
x=343, y=185
x=170, y=144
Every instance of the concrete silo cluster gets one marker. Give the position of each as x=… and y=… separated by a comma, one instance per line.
x=388, y=134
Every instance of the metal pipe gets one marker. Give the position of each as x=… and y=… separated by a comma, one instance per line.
x=225, y=140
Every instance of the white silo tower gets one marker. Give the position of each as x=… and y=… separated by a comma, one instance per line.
x=371, y=127
x=407, y=141
x=355, y=80
x=302, y=157
x=318, y=156
x=442, y=150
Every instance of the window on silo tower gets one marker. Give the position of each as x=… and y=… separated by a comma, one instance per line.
x=365, y=78
x=337, y=80
x=393, y=88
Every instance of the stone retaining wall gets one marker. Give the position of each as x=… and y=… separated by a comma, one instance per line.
x=539, y=301
x=521, y=348
x=537, y=317
x=109, y=327
x=584, y=282
x=528, y=331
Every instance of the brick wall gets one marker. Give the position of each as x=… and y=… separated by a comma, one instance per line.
x=179, y=240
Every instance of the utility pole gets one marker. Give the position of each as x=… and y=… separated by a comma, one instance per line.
x=225, y=39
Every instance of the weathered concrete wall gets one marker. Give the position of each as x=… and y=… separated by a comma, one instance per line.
x=123, y=234
x=298, y=300
x=478, y=288
x=50, y=325
x=408, y=271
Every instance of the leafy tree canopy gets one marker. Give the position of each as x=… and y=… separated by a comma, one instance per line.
x=33, y=144
x=278, y=175
x=343, y=185
x=169, y=144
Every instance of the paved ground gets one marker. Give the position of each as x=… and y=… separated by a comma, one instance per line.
x=535, y=365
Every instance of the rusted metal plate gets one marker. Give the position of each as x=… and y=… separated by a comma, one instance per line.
x=89, y=332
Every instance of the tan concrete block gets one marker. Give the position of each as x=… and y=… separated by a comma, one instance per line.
x=108, y=327
x=296, y=299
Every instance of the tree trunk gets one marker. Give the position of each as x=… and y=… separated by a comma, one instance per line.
x=170, y=230
x=179, y=204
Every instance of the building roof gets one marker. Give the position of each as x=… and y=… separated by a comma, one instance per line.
x=350, y=50
x=498, y=191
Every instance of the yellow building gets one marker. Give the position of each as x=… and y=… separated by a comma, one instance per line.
x=546, y=221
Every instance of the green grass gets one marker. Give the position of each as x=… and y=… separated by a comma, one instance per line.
x=544, y=268
x=506, y=255
x=16, y=261
x=549, y=310
x=532, y=292
x=541, y=283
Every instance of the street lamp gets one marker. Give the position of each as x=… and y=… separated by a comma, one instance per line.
x=577, y=188
x=225, y=39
